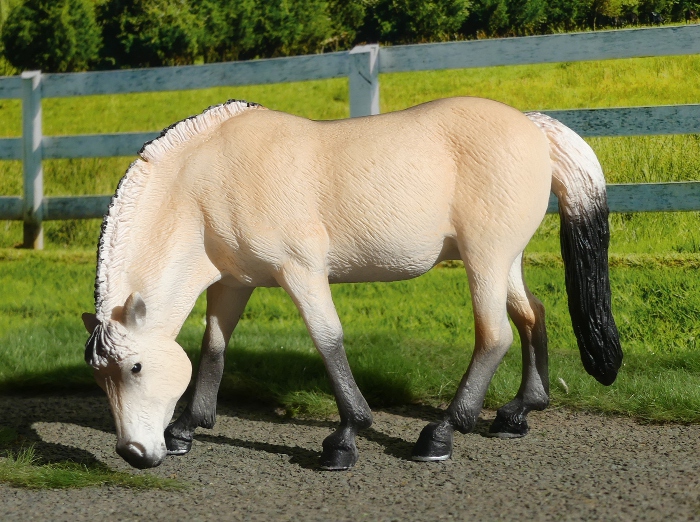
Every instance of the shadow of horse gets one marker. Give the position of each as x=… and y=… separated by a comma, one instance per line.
x=278, y=372
x=397, y=447
x=20, y=413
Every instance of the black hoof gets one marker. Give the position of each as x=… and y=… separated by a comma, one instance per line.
x=434, y=443
x=339, y=459
x=508, y=427
x=339, y=452
x=177, y=445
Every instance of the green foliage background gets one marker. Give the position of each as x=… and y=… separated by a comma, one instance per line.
x=70, y=35
x=52, y=35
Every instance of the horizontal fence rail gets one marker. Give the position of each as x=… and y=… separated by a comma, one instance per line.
x=58, y=208
x=648, y=197
x=632, y=197
x=96, y=145
x=572, y=47
x=10, y=87
x=631, y=121
x=362, y=66
x=255, y=72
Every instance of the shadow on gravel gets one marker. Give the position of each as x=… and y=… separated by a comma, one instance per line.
x=18, y=417
x=303, y=457
x=91, y=410
x=402, y=449
x=288, y=372
x=397, y=447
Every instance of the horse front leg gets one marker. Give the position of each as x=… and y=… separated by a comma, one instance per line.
x=312, y=295
x=527, y=312
x=224, y=308
x=493, y=338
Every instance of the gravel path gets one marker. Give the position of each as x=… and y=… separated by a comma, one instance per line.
x=257, y=465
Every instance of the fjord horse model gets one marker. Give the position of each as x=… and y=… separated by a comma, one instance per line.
x=240, y=197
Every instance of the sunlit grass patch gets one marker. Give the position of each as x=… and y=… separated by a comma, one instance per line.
x=25, y=470
x=407, y=341
x=662, y=80
x=411, y=341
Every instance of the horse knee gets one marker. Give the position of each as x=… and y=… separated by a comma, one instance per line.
x=496, y=338
x=215, y=339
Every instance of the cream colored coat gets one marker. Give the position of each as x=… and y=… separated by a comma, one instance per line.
x=241, y=197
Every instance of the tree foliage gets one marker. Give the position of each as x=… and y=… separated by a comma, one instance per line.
x=287, y=27
x=413, y=21
x=62, y=35
x=52, y=35
x=148, y=33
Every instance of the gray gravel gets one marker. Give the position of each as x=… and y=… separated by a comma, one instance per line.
x=257, y=465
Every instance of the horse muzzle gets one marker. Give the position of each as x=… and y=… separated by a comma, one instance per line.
x=137, y=456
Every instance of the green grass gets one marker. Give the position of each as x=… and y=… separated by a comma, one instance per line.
x=42, y=299
x=21, y=466
x=26, y=470
x=411, y=341
x=407, y=341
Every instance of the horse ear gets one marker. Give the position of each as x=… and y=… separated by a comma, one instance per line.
x=134, y=312
x=90, y=321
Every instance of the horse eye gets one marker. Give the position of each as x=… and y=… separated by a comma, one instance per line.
x=136, y=368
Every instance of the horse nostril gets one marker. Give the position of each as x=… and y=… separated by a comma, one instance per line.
x=135, y=454
x=136, y=449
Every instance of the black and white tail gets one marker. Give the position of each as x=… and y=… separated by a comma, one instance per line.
x=579, y=184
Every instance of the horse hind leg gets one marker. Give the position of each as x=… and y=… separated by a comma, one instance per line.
x=311, y=293
x=225, y=306
x=527, y=313
x=489, y=288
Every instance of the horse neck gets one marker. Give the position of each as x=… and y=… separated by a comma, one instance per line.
x=173, y=293
x=164, y=259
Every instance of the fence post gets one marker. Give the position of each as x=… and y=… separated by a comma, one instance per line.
x=364, y=80
x=31, y=160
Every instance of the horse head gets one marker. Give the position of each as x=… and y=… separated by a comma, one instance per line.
x=143, y=372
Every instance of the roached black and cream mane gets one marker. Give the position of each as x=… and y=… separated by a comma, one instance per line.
x=116, y=220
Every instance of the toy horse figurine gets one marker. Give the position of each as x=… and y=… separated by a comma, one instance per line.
x=240, y=197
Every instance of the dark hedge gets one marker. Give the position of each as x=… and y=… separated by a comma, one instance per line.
x=62, y=35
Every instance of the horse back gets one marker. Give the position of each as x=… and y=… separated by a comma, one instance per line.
x=377, y=198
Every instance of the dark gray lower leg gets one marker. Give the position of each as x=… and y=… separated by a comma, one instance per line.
x=339, y=449
x=511, y=419
x=435, y=441
x=312, y=295
x=201, y=409
x=224, y=308
x=493, y=338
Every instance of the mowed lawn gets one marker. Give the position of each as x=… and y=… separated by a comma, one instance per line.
x=408, y=341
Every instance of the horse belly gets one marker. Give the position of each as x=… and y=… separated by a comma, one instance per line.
x=390, y=219
x=388, y=258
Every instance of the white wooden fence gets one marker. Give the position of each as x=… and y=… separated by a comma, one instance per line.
x=361, y=66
